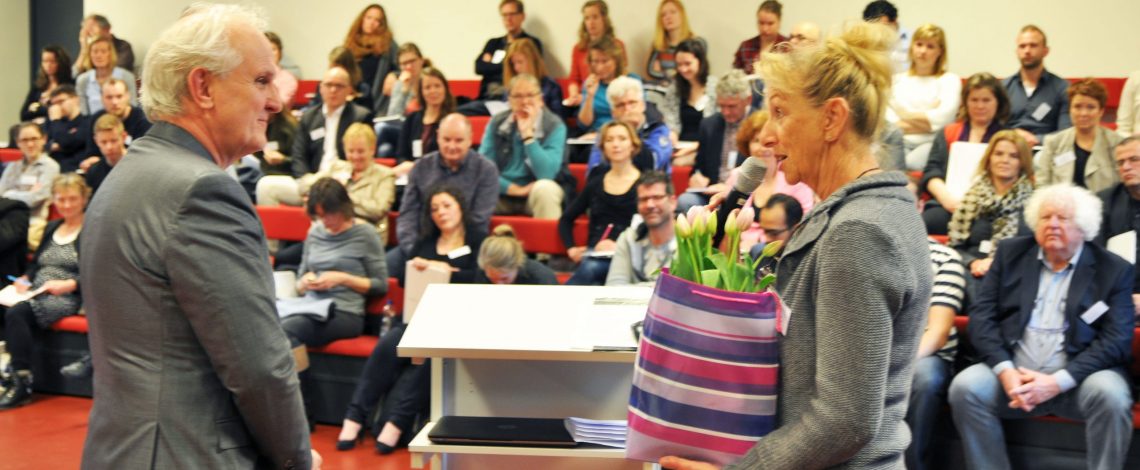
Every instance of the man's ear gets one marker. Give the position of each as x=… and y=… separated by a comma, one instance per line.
x=199, y=86
x=836, y=112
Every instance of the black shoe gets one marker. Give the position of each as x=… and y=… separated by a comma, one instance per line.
x=349, y=444
x=384, y=449
x=19, y=393
x=80, y=369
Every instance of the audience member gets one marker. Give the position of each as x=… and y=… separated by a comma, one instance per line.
x=452, y=238
x=111, y=138
x=100, y=68
x=68, y=131
x=672, y=29
x=116, y=102
x=277, y=156
x=374, y=49
x=284, y=80
x=777, y=217
x=692, y=97
x=718, y=154
x=55, y=70
x=420, y=129
x=1128, y=111
x=607, y=62
x=984, y=110
x=97, y=27
x=55, y=269
x=804, y=33
x=768, y=22
x=489, y=63
x=885, y=13
x=370, y=185
x=503, y=261
x=1122, y=202
x=641, y=251
x=1081, y=154
x=627, y=99
x=524, y=57
x=1044, y=354
x=403, y=88
x=319, y=139
x=1039, y=99
x=526, y=144
x=343, y=261
x=361, y=93
x=596, y=25
x=457, y=165
x=450, y=241
x=925, y=98
x=991, y=209
x=28, y=179
x=610, y=198
x=934, y=366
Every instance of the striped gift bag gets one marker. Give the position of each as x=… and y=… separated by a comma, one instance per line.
x=705, y=381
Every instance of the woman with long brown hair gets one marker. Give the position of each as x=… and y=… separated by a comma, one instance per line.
x=374, y=48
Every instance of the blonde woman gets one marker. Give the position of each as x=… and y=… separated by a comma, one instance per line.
x=672, y=29
x=503, y=261
x=926, y=97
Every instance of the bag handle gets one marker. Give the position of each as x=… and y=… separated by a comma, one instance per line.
x=722, y=297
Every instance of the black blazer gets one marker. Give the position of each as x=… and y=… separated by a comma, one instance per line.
x=1116, y=218
x=13, y=239
x=307, y=152
x=1003, y=308
x=711, y=138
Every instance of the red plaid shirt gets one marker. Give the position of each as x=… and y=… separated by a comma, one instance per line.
x=749, y=52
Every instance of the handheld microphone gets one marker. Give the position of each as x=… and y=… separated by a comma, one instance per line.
x=751, y=175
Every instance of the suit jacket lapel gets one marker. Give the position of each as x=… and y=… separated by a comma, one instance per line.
x=1030, y=271
x=1082, y=277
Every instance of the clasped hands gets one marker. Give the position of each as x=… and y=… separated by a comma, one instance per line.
x=1028, y=388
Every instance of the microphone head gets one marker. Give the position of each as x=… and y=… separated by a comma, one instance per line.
x=751, y=174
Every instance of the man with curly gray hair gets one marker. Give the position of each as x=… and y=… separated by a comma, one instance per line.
x=1053, y=325
x=192, y=369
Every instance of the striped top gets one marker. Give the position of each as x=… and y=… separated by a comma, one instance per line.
x=949, y=289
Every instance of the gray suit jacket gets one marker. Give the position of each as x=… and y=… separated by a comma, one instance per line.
x=1100, y=171
x=192, y=369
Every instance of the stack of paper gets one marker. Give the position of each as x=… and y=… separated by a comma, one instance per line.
x=609, y=433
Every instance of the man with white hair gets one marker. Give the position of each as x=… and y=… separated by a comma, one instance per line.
x=192, y=369
x=1053, y=326
x=627, y=103
x=717, y=155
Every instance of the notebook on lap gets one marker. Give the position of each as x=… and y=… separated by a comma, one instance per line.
x=521, y=432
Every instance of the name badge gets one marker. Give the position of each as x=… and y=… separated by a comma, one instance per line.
x=1042, y=111
x=317, y=134
x=28, y=180
x=986, y=247
x=701, y=103
x=1064, y=159
x=417, y=148
x=1094, y=312
x=342, y=177
x=272, y=146
x=784, y=317
x=459, y=252
x=128, y=140
x=732, y=156
x=499, y=56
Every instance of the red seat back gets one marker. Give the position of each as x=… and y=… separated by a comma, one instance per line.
x=681, y=178
x=306, y=90
x=468, y=88
x=478, y=125
x=284, y=222
x=10, y=155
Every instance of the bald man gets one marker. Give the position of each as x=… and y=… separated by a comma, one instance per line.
x=804, y=34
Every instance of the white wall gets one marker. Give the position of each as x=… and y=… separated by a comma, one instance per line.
x=15, y=35
x=1097, y=38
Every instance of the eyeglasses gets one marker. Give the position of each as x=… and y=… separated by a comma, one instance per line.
x=1133, y=160
x=653, y=198
x=523, y=96
x=625, y=104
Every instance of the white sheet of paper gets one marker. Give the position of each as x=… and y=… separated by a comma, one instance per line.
x=416, y=281
x=417, y=148
x=9, y=296
x=1124, y=245
x=606, y=323
x=285, y=284
x=584, y=140
x=1042, y=111
x=402, y=181
x=496, y=107
x=961, y=166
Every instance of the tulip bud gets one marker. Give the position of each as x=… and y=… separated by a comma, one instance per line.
x=744, y=218
x=710, y=222
x=772, y=248
x=698, y=222
x=683, y=228
x=692, y=215
x=730, y=226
